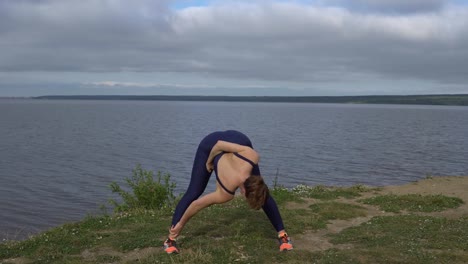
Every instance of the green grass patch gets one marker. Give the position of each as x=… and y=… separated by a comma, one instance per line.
x=124, y=232
x=414, y=202
x=283, y=195
x=233, y=233
x=336, y=210
x=408, y=239
x=296, y=194
x=330, y=193
x=224, y=233
x=333, y=256
x=298, y=221
x=55, y=244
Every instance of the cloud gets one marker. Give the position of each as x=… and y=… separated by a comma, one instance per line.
x=116, y=84
x=309, y=43
x=395, y=6
x=264, y=41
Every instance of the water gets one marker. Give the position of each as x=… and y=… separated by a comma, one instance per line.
x=57, y=158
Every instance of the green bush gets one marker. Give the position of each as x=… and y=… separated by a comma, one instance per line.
x=146, y=192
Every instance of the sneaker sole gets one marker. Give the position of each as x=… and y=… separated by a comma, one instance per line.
x=173, y=252
x=286, y=249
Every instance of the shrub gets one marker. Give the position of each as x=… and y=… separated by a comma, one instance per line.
x=146, y=192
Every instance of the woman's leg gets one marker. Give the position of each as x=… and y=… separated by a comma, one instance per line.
x=198, y=182
x=199, y=178
x=271, y=210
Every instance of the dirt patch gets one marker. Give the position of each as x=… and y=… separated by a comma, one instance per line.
x=134, y=255
x=448, y=186
x=318, y=240
x=304, y=205
x=16, y=261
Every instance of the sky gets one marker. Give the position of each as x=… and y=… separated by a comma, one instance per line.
x=253, y=48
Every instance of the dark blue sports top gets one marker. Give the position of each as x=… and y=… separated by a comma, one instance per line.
x=255, y=169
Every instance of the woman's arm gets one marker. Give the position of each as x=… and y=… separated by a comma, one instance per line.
x=196, y=206
x=224, y=146
x=228, y=147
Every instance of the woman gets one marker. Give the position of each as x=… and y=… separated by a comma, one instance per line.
x=235, y=162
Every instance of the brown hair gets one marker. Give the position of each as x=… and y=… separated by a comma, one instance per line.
x=256, y=191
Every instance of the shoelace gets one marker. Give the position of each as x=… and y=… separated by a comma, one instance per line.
x=170, y=243
x=284, y=239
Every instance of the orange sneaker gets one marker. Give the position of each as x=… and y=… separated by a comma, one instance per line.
x=170, y=246
x=285, y=242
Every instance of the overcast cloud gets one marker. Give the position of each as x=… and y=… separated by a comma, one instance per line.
x=388, y=6
x=335, y=47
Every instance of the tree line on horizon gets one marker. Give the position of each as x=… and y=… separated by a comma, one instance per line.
x=441, y=99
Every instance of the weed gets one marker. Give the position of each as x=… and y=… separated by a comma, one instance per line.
x=146, y=192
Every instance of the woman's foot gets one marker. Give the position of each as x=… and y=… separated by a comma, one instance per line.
x=170, y=246
x=285, y=242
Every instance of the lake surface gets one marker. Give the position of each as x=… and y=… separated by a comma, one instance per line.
x=57, y=158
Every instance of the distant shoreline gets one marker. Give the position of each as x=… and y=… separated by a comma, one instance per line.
x=439, y=99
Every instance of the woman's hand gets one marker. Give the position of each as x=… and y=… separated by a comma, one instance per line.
x=210, y=165
x=174, y=232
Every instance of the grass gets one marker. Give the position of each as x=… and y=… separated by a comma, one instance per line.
x=330, y=193
x=414, y=202
x=408, y=239
x=336, y=210
x=232, y=233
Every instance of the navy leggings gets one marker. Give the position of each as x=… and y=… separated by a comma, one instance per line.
x=200, y=177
